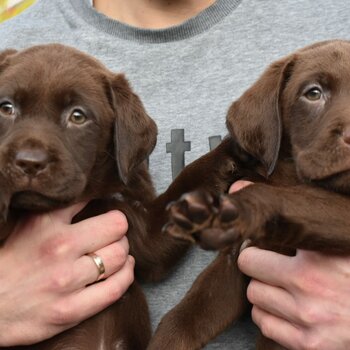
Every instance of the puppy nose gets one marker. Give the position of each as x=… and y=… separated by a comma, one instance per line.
x=31, y=161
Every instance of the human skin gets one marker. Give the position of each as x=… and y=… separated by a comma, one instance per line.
x=301, y=302
x=151, y=14
x=56, y=297
x=46, y=278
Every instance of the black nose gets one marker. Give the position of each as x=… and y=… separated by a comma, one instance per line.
x=31, y=161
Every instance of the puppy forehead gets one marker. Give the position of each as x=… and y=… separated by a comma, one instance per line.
x=53, y=68
x=330, y=61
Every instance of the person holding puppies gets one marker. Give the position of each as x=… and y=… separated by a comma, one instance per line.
x=187, y=60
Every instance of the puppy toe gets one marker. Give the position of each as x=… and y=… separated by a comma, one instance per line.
x=228, y=212
x=176, y=232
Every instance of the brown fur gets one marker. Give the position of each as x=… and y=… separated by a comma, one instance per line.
x=298, y=151
x=47, y=162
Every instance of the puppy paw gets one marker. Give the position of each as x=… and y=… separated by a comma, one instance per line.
x=202, y=218
x=189, y=215
x=216, y=222
x=223, y=230
x=239, y=217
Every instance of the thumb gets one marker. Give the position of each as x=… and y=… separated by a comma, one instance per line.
x=238, y=185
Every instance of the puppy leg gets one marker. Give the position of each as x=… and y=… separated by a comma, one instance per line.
x=273, y=217
x=156, y=252
x=216, y=299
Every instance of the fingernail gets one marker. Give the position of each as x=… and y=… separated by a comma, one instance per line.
x=247, y=243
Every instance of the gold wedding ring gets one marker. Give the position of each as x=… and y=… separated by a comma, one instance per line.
x=99, y=264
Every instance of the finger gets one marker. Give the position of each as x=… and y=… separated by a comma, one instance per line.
x=277, y=329
x=94, y=298
x=113, y=256
x=238, y=185
x=266, y=266
x=66, y=214
x=274, y=300
x=97, y=232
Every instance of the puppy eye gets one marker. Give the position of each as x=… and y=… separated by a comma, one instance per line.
x=77, y=117
x=313, y=94
x=7, y=109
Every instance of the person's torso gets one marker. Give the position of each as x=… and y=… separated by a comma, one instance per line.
x=187, y=76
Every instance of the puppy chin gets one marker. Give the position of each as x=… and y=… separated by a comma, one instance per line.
x=319, y=166
x=339, y=182
x=34, y=201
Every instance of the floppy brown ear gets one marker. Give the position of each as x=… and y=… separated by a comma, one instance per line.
x=135, y=132
x=254, y=119
x=4, y=55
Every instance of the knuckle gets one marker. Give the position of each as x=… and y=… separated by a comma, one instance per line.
x=56, y=247
x=118, y=220
x=302, y=282
x=121, y=252
x=125, y=243
x=309, y=315
x=243, y=260
x=115, y=294
x=251, y=291
x=307, y=281
x=312, y=342
x=60, y=280
x=120, y=286
x=40, y=220
x=266, y=328
x=131, y=260
x=130, y=274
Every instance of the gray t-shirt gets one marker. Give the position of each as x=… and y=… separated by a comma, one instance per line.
x=187, y=76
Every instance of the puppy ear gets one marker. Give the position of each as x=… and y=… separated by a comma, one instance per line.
x=135, y=133
x=4, y=55
x=254, y=119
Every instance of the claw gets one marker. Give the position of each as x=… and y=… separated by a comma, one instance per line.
x=174, y=231
x=169, y=205
x=182, y=221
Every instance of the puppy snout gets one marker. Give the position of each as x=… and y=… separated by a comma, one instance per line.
x=31, y=161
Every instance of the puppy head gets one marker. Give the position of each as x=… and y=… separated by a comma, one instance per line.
x=68, y=127
x=298, y=108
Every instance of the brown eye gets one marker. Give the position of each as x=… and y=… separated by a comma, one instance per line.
x=313, y=94
x=7, y=109
x=77, y=117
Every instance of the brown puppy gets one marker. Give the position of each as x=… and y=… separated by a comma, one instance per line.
x=290, y=132
x=70, y=130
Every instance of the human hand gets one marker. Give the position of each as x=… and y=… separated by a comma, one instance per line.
x=46, y=278
x=301, y=302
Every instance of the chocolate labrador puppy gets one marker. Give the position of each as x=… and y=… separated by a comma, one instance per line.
x=70, y=131
x=290, y=133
